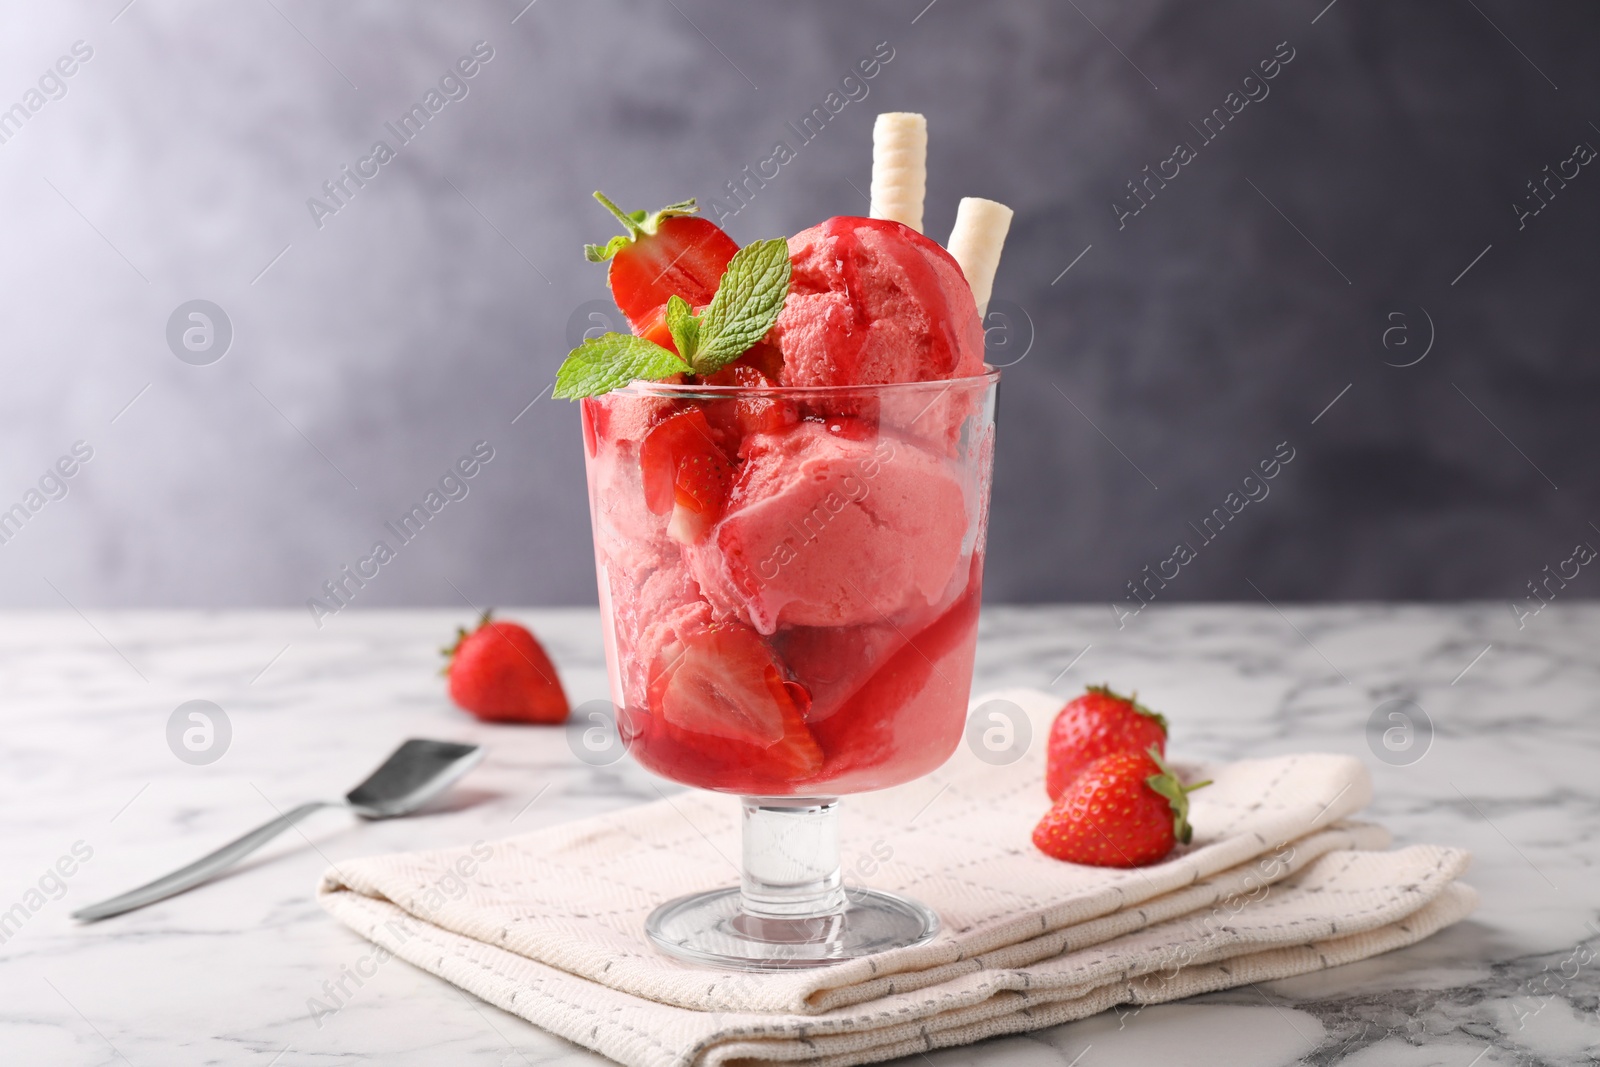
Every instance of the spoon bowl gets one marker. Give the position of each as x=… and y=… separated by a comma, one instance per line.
x=414, y=774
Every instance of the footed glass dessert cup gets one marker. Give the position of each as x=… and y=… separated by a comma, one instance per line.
x=789, y=585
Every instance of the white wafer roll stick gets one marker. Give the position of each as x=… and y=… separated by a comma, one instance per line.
x=899, y=167
x=975, y=244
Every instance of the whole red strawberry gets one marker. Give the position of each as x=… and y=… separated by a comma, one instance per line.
x=1125, y=810
x=500, y=673
x=1097, y=724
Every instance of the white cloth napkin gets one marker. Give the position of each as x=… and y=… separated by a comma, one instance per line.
x=549, y=925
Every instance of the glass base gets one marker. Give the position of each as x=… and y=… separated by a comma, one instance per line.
x=715, y=929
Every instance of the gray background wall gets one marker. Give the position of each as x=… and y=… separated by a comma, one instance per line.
x=1176, y=353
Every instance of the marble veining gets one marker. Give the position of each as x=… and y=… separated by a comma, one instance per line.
x=227, y=973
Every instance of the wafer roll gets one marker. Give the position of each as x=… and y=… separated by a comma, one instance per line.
x=975, y=243
x=899, y=167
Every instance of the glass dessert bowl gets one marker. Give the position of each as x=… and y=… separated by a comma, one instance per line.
x=789, y=585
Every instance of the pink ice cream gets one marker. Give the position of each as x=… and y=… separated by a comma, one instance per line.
x=840, y=523
x=646, y=590
x=872, y=302
x=823, y=529
x=813, y=628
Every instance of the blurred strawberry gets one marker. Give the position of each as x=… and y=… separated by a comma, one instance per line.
x=1125, y=810
x=500, y=673
x=1097, y=724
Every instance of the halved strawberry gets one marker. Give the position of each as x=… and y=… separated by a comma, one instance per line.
x=766, y=358
x=593, y=417
x=852, y=427
x=745, y=415
x=666, y=253
x=699, y=495
x=685, y=473
x=725, y=683
x=653, y=327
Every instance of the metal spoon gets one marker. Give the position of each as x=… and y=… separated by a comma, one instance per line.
x=414, y=774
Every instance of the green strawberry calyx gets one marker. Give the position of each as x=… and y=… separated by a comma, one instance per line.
x=1177, y=795
x=1133, y=702
x=462, y=633
x=637, y=224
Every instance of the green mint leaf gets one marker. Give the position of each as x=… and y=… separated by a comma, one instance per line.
x=747, y=303
x=611, y=361
x=684, y=327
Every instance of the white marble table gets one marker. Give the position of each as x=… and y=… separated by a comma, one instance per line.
x=224, y=974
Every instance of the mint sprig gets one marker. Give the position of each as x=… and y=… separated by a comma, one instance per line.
x=683, y=326
x=747, y=302
x=611, y=361
x=746, y=305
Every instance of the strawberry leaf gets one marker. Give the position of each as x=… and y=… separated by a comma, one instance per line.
x=611, y=361
x=461, y=635
x=601, y=253
x=1177, y=795
x=637, y=224
x=1133, y=702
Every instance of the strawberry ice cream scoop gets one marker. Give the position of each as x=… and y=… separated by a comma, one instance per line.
x=871, y=302
x=826, y=528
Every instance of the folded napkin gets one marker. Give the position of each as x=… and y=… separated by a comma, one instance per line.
x=550, y=925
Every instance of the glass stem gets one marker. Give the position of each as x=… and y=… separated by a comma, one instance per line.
x=791, y=858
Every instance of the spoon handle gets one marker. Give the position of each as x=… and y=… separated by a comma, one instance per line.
x=201, y=869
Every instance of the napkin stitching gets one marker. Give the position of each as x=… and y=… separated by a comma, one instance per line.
x=431, y=936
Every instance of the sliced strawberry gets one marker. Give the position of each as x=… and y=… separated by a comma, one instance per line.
x=760, y=367
x=741, y=417
x=685, y=473
x=726, y=684
x=743, y=374
x=699, y=495
x=675, y=437
x=766, y=358
x=852, y=427
x=653, y=327
x=670, y=252
x=593, y=417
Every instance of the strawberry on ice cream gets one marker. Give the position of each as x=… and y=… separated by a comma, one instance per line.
x=826, y=527
x=872, y=302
